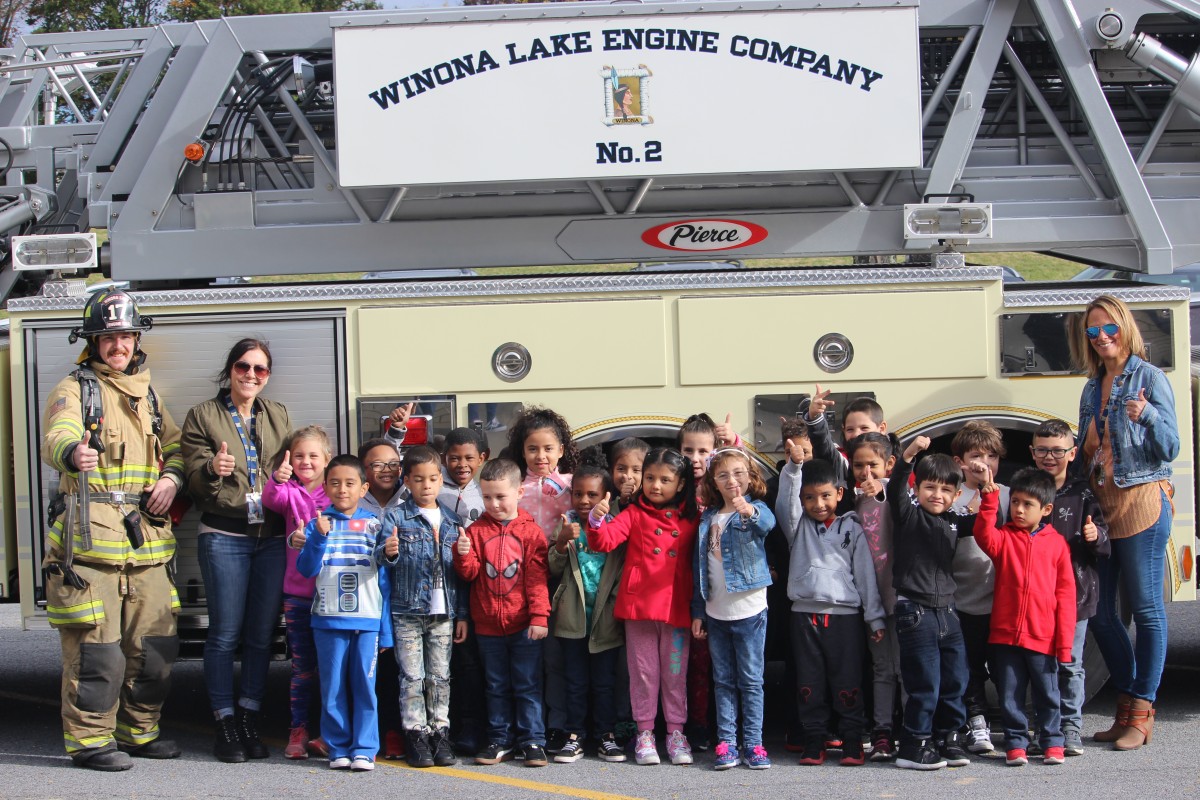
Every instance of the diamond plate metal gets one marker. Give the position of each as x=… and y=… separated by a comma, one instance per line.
x=548, y=285
x=1061, y=296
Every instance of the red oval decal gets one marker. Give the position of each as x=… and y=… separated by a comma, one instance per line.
x=704, y=235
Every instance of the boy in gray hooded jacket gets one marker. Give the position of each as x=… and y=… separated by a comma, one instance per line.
x=833, y=590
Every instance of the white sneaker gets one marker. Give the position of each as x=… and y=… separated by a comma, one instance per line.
x=979, y=735
x=339, y=763
x=678, y=748
x=362, y=764
x=646, y=751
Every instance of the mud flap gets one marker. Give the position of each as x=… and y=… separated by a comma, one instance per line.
x=101, y=672
x=153, y=683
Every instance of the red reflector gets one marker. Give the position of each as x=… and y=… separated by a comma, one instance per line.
x=1187, y=562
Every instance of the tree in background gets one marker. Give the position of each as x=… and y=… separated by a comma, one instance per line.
x=49, y=16
x=11, y=14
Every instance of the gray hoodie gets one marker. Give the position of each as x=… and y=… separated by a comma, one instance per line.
x=832, y=571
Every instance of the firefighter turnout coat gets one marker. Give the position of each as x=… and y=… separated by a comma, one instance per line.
x=118, y=632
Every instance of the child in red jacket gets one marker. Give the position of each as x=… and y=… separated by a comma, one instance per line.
x=1033, y=610
x=503, y=555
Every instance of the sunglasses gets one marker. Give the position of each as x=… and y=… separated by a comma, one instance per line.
x=244, y=368
x=1110, y=329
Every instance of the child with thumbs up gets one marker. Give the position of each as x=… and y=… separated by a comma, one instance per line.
x=428, y=603
x=1078, y=517
x=1033, y=616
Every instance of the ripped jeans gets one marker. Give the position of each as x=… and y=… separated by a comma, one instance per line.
x=423, y=656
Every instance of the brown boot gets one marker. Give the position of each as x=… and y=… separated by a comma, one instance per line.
x=1141, y=726
x=1120, y=723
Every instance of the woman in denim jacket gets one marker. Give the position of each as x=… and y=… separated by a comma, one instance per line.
x=729, y=598
x=1128, y=437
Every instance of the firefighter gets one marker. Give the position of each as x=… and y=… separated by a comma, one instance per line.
x=108, y=590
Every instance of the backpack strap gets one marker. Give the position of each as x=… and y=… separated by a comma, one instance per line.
x=91, y=406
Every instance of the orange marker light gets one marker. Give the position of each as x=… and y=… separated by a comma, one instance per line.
x=1186, y=563
x=193, y=152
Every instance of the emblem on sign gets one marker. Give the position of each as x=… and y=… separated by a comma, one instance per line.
x=627, y=96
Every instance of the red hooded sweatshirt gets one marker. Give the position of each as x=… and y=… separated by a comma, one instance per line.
x=507, y=570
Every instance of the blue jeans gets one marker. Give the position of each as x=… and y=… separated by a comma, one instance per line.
x=512, y=670
x=933, y=669
x=243, y=586
x=1137, y=564
x=1071, y=680
x=591, y=676
x=738, y=649
x=1016, y=669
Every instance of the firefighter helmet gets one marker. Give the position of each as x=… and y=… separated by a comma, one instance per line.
x=110, y=311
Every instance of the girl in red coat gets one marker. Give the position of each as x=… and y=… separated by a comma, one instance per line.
x=656, y=589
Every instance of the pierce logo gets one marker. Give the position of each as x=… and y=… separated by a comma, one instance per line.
x=704, y=235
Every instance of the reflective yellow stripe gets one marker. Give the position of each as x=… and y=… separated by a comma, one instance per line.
x=92, y=611
x=86, y=743
x=132, y=735
x=74, y=432
x=118, y=552
x=174, y=599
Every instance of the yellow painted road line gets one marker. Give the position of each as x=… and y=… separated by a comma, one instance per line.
x=518, y=783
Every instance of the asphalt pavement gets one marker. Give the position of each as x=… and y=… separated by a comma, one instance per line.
x=33, y=764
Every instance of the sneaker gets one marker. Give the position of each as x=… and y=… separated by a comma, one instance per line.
x=757, y=758
x=678, y=748
x=833, y=743
x=1073, y=744
x=362, y=764
x=852, y=753
x=418, y=752
x=1054, y=755
x=534, y=755
x=443, y=753
x=881, y=745
x=814, y=752
x=247, y=727
x=555, y=739
x=572, y=750
x=609, y=750
x=228, y=746
x=341, y=762
x=494, y=753
x=697, y=736
x=318, y=747
x=646, y=750
x=979, y=735
x=918, y=754
x=1016, y=758
x=297, y=746
x=725, y=756
x=393, y=746
x=1034, y=748
x=953, y=751
x=793, y=742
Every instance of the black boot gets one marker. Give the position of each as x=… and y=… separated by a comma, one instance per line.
x=159, y=748
x=417, y=751
x=443, y=754
x=228, y=747
x=103, y=759
x=247, y=729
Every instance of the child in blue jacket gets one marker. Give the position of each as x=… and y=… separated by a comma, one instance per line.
x=349, y=615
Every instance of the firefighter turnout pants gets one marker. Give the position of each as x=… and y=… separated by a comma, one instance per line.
x=118, y=646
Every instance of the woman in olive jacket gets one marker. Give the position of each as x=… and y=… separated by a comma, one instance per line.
x=230, y=444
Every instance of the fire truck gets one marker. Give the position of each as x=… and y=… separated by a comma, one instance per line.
x=576, y=140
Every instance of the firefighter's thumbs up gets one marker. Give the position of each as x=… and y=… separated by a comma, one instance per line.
x=85, y=457
x=392, y=547
x=223, y=463
x=464, y=542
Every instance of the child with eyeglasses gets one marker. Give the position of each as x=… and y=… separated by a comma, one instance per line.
x=1077, y=516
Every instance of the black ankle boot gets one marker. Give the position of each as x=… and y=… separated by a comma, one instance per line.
x=247, y=731
x=443, y=755
x=228, y=747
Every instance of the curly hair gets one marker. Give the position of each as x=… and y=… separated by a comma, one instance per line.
x=536, y=418
x=710, y=493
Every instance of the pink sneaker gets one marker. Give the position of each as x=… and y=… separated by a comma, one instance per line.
x=678, y=748
x=297, y=746
x=646, y=750
x=1054, y=755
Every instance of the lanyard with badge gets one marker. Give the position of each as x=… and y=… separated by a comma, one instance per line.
x=254, y=506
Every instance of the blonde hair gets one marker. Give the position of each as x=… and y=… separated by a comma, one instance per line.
x=1129, y=337
x=310, y=432
x=710, y=495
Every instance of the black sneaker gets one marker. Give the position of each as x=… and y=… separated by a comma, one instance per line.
x=417, y=751
x=534, y=755
x=229, y=747
x=555, y=739
x=609, y=749
x=247, y=728
x=443, y=753
x=918, y=754
x=697, y=736
x=494, y=753
x=953, y=750
x=571, y=751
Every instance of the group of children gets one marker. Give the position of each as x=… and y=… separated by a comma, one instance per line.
x=531, y=572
